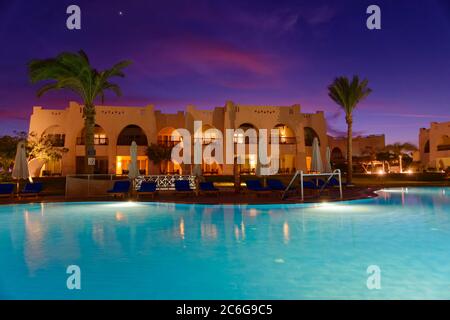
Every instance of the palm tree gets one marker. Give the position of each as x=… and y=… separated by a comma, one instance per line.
x=74, y=72
x=399, y=148
x=347, y=95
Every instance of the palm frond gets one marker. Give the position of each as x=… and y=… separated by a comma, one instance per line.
x=348, y=94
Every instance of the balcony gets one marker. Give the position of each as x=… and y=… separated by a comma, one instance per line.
x=81, y=141
x=245, y=140
x=125, y=140
x=443, y=147
x=286, y=140
x=204, y=141
x=168, y=143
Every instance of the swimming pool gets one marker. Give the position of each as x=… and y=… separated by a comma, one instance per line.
x=174, y=251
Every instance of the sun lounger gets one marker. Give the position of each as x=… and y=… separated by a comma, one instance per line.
x=255, y=186
x=333, y=182
x=7, y=190
x=275, y=185
x=207, y=187
x=310, y=185
x=183, y=187
x=121, y=188
x=31, y=189
x=147, y=188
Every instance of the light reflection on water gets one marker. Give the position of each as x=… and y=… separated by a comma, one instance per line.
x=156, y=250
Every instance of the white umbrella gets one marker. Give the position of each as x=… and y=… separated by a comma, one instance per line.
x=316, y=161
x=20, y=169
x=258, y=169
x=133, y=170
x=328, y=161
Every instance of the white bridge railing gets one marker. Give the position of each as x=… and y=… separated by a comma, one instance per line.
x=329, y=175
x=93, y=185
x=164, y=182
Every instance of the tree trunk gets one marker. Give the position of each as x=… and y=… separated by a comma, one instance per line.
x=89, y=127
x=349, y=121
x=237, y=180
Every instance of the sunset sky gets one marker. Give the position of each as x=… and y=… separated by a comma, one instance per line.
x=257, y=52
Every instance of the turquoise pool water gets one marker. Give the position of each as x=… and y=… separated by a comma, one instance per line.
x=167, y=251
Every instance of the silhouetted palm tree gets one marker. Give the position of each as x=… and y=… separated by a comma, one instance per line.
x=74, y=72
x=347, y=94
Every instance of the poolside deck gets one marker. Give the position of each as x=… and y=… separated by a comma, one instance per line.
x=226, y=196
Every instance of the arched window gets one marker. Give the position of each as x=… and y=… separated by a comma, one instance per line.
x=287, y=135
x=336, y=154
x=244, y=137
x=100, y=137
x=56, y=135
x=165, y=137
x=132, y=133
x=310, y=134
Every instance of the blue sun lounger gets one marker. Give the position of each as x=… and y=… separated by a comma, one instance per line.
x=275, y=185
x=31, y=189
x=121, y=188
x=183, y=186
x=208, y=187
x=147, y=188
x=310, y=185
x=256, y=187
x=7, y=190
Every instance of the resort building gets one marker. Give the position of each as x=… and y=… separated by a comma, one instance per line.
x=361, y=146
x=434, y=146
x=116, y=128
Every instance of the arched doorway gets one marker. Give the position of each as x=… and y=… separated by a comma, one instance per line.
x=287, y=135
x=310, y=134
x=247, y=134
x=126, y=137
x=132, y=133
x=168, y=137
x=57, y=137
x=100, y=137
x=337, y=154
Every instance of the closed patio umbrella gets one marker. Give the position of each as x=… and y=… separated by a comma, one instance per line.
x=316, y=161
x=133, y=170
x=258, y=169
x=20, y=169
x=328, y=161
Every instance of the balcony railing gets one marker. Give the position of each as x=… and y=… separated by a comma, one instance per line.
x=168, y=143
x=246, y=140
x=127, y=140
x=286, y=140
x=205, y=141
x=443, y=147
x=81, y=141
